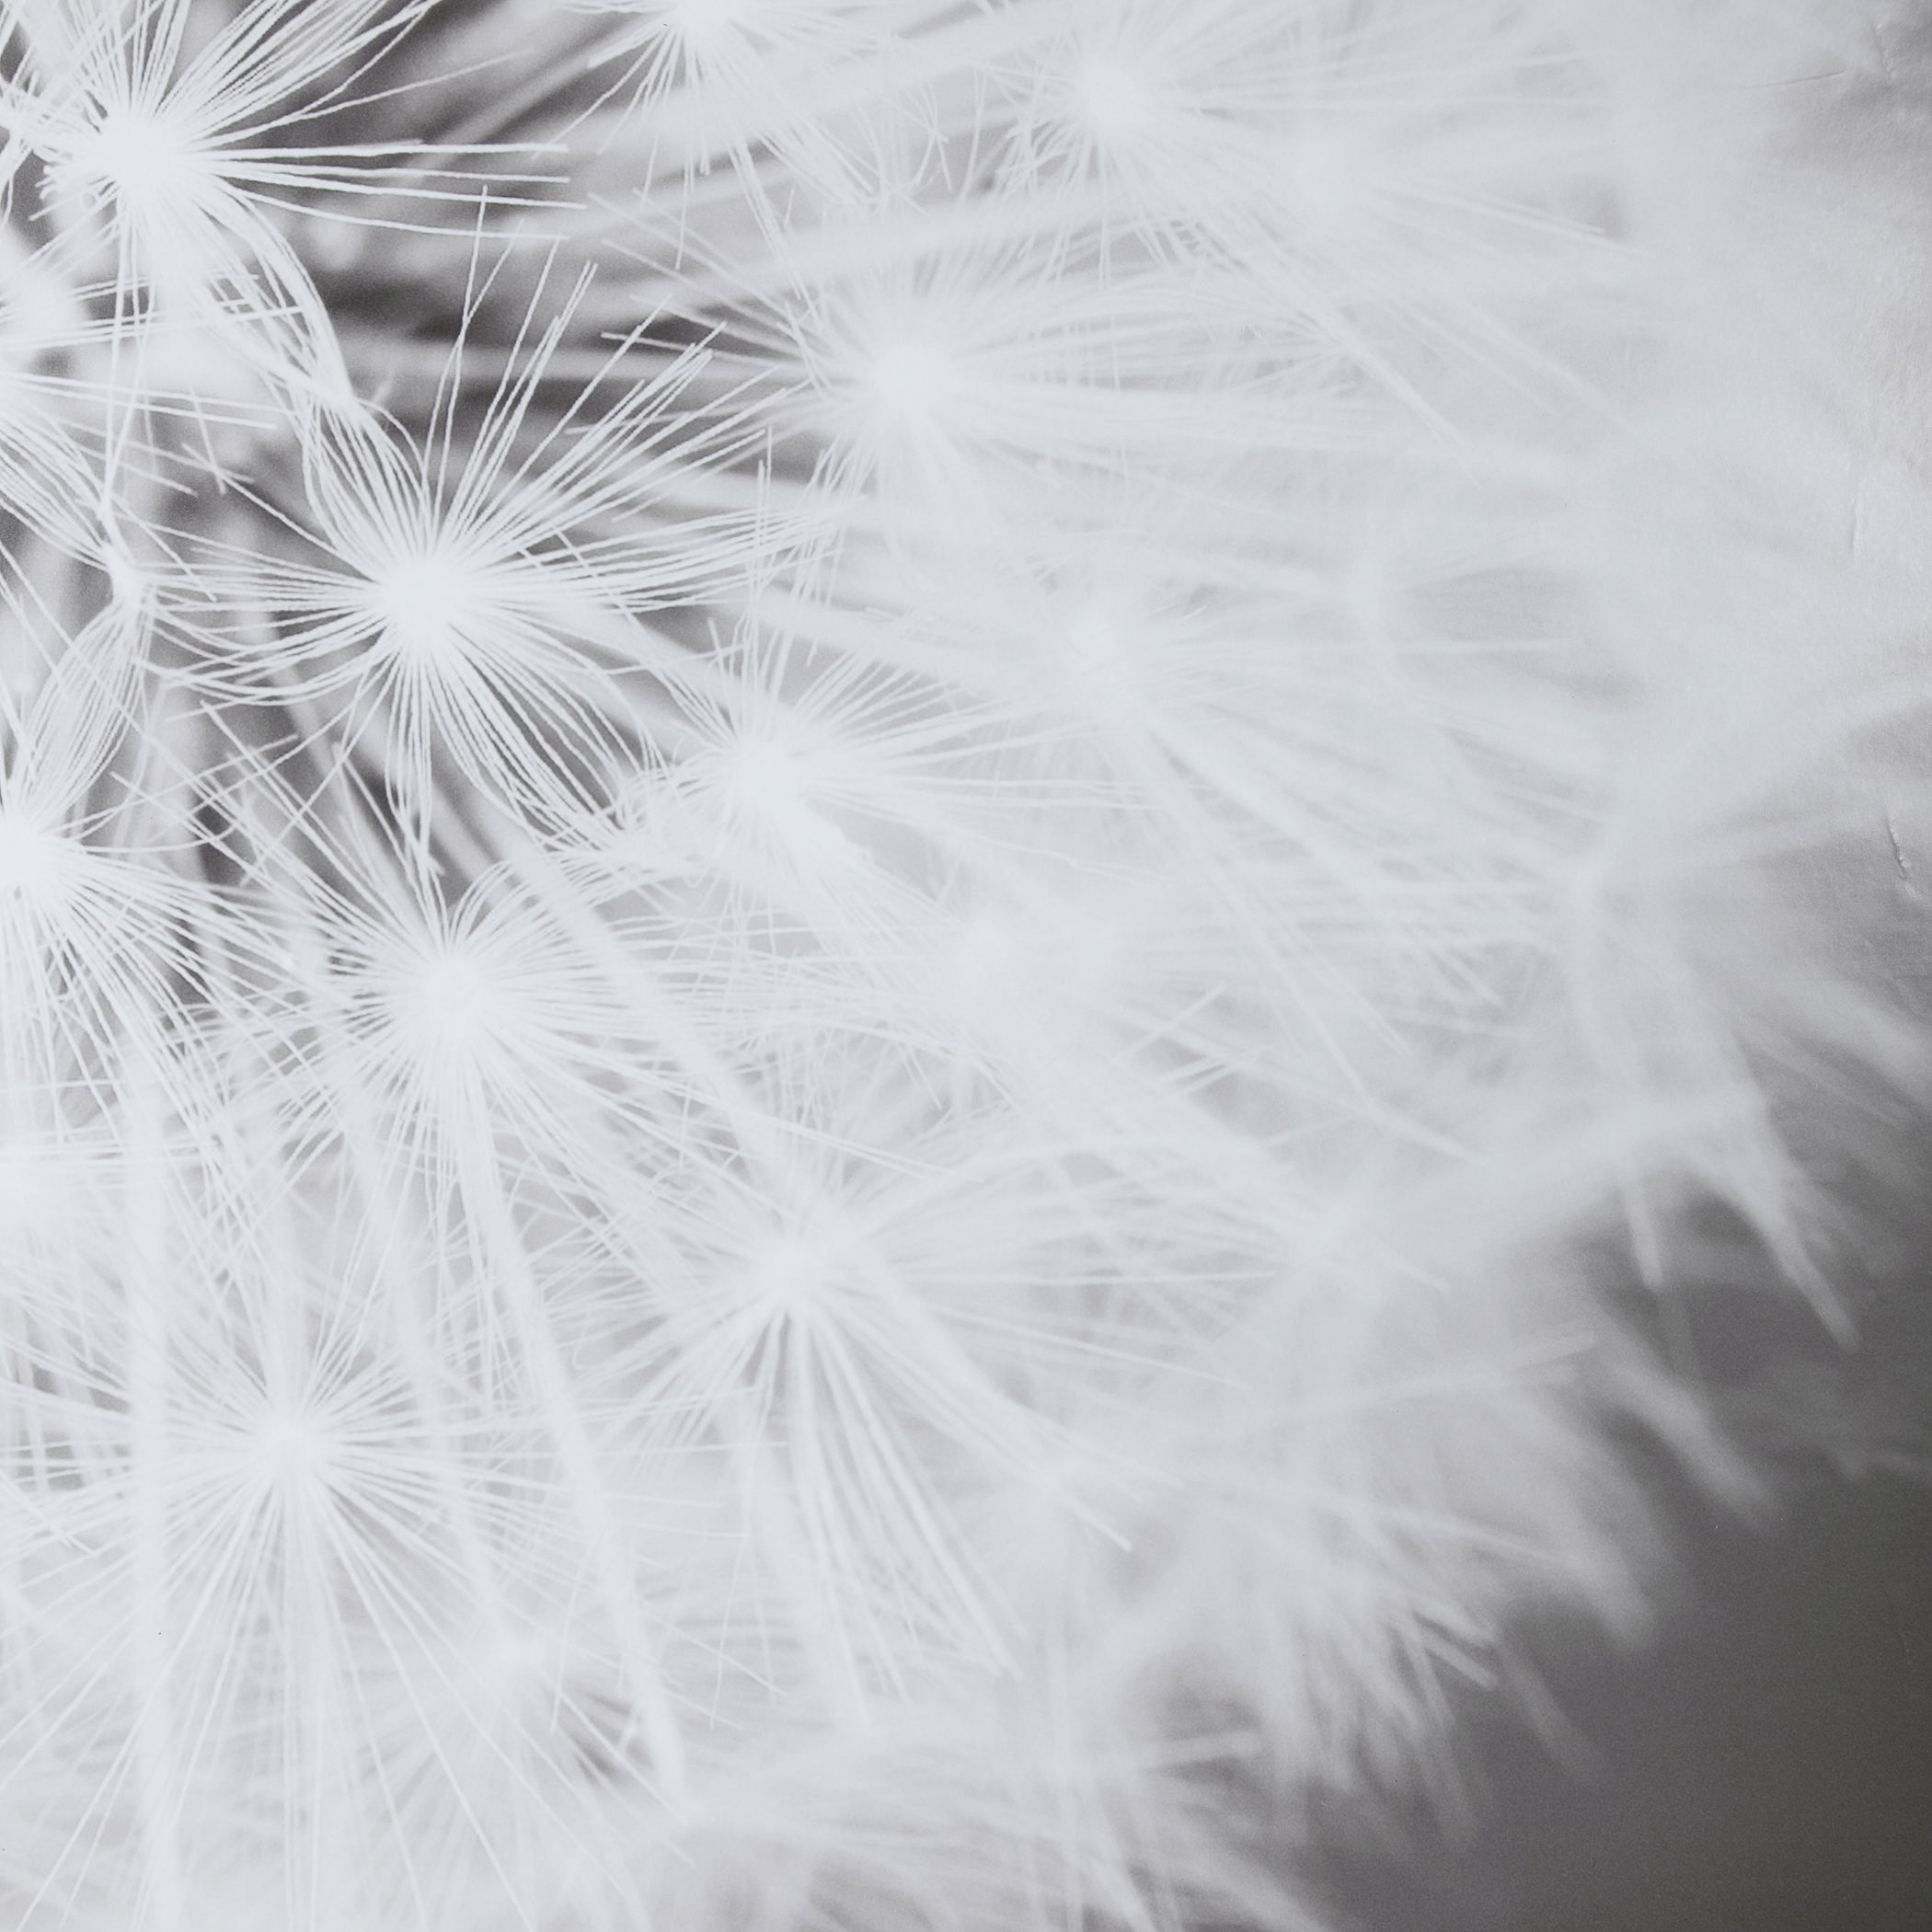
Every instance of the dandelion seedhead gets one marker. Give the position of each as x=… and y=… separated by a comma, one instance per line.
x=851, y=854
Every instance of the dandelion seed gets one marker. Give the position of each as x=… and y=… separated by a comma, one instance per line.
x=1113, y=101
x=847, y=855
x=31, y=865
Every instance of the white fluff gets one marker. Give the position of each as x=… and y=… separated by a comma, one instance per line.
x=852, y=853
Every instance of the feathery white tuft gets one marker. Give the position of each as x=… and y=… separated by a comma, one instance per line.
x=851, y=855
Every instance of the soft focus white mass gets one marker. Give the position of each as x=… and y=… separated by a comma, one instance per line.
x=860, y=861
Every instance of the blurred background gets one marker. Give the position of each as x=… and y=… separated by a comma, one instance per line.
x=1765, y=1763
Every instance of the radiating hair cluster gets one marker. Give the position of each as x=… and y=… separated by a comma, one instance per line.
x=857, y=858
